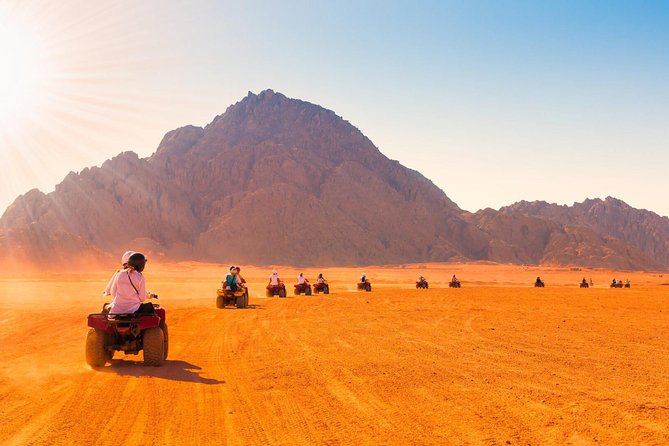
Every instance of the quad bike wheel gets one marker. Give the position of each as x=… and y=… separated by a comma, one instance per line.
x=368, y=287
x=166, y=339
x=296, y=291
x=307, y=292
x=282, y=293
x=326, y=290
x=220, y=301
x=154, y=347
x=96, y=354
x=268, y=293
x=242, y=301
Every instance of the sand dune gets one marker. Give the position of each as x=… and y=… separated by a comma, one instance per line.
x=496, y=362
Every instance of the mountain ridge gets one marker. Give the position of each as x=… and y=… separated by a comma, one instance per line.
x=275, y=180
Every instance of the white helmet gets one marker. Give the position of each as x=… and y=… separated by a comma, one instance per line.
x=274, y=271
x=126, y=257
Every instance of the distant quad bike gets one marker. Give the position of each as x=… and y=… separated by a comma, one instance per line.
x=239, y=298
x=627, y=285
x=455, y=284
x=129, y=333
x=422, y=284
x=539, y=284
x=617, y=285
x=304, y=288
x=276, y=290
x=584, y=285
x=364, y=286
x=321, y=288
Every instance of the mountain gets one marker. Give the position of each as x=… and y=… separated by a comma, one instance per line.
x=522, y=238
x=275, y=180
x=643, y=231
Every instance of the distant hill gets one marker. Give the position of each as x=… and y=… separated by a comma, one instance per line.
x=276, y=180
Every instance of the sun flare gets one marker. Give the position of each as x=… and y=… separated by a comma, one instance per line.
x=24, y=74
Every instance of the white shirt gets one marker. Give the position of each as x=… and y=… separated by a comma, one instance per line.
x=274, y=279
x=126, y=298
x=300, y=280
x=107, y=291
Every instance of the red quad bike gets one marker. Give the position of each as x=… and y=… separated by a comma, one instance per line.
x=321, y=288
x=303, y=288
x=422, y=284
x=584, y=285
x=129, y=333
x=276, y=290
x=364, y=286
x=239, y=298
x=454, y=284
x=617, y=285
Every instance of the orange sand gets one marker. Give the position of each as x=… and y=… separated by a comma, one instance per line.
x=496, y=362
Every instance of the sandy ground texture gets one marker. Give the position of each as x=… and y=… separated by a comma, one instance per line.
x=494, y=363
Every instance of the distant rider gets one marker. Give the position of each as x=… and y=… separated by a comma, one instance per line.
x=274, y=279
x=321, y=280
x=129, y=288
x=301, y=280
x=454, y=279
x=232, y=280
x=240, y=279
x=363, y=278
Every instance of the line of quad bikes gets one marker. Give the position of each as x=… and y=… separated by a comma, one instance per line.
x=147, y=332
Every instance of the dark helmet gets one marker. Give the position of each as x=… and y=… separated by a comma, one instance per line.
x=137, y=261
x=232, y=267
x=320, y=276
x=238, y=269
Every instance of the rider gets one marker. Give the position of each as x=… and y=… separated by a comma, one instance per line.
x=421, y=279
x=363, y=278
x=124, y=264
x=240, y=279
x=454, y=279
x=538, y=281
x=232, y=280
x=321, y=280
x=584, y=282
x=627, y=282
x=274, y=279
x=301, y=280
x=129, y=288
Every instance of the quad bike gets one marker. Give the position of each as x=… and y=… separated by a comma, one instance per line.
x=239, y=298
x=539, y=284
x=584, y=285
x=422, y=284
x=454, y=284
x=627, y=285
x=302, y=288
x=276, y=290
x=129, y=333
x=364, y=286
x=321, y=288
x=617, y=285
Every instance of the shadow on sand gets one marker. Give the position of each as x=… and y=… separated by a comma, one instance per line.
x=172, y=369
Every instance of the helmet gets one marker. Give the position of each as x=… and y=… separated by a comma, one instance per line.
x=274, y=271
x=301, y=274
x=232, y=267
x=137, y=261
x=320, y=275
x=238, y=269
x=126, y=255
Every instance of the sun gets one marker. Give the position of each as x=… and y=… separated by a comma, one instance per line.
x=24, y=74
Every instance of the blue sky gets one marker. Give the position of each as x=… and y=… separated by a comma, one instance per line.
x=495, y=101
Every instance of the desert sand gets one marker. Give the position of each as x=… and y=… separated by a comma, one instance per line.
x=496, y=362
